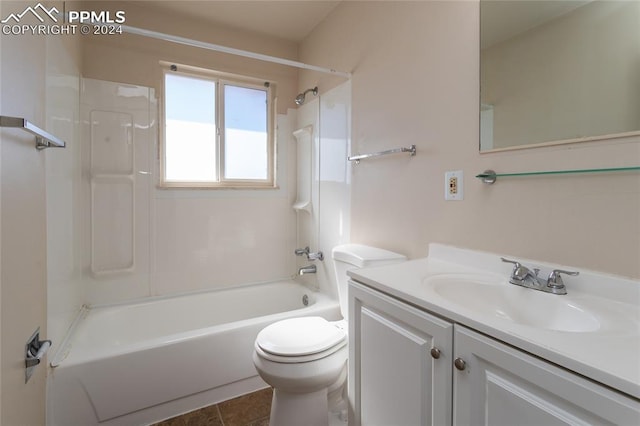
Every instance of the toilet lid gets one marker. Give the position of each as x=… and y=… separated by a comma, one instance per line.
x=300, y=336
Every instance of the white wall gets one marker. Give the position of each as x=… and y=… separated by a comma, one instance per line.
x=334, y=221
x=39, y=83
x=307, y=167
x=208, y=239
x=415, y=81
x=193, y=240
x=327, y=222
x=169, y=241
x=63, y=176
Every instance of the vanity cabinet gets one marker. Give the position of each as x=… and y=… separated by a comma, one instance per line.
x=496, y=384
x=395, y=377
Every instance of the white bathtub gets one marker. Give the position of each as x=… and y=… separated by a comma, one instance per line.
x=140, y=363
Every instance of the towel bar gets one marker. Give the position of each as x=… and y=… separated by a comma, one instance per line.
x=43, y=138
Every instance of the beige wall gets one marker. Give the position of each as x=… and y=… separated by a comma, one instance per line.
x=23, y=227
x=134, y=59
x=22, y=60
x=576, y=76
x=38, y=81
x=415, y=81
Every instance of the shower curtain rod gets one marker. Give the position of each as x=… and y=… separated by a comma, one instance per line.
x=230, y=50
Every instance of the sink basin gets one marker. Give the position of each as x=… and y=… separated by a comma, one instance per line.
x=513, y=303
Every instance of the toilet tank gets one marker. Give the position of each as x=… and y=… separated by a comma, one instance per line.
x=347, y=257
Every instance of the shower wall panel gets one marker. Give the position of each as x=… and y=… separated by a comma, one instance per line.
x=326, y=175
x=112, y=192
x=212, y=238
x=142, y=240
x=112, y=224
x=64, y=292
x=119, y=129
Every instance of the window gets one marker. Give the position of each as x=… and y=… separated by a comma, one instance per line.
x=218, y=130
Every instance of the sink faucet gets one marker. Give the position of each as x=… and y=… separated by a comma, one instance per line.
x=311, y=269
x=525, y=277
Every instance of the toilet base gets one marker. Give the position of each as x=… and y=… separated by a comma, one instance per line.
x=299, y=409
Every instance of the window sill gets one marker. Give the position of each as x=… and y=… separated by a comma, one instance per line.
x=196, y=186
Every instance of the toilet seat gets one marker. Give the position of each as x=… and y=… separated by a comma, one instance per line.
x=298, y=340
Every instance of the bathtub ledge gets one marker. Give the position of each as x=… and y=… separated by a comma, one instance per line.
x=63, y=350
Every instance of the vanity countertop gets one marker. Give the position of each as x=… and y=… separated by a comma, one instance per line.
x=609, y=353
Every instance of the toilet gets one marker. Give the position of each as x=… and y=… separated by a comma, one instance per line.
x=305, y=359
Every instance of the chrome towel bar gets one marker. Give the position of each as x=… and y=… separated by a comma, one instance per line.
x=43, y=139
x=411, y=150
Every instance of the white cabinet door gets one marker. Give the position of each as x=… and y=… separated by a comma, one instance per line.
x=500, y=385
x=393, y=377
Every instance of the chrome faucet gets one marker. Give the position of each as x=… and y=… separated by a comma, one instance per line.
x=315, y=256
x=310, y=256
x=521, y=275
x=525, y=277
x=302, y=251
x=310, y=269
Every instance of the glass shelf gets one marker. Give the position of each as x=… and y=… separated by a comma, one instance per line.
x=489, y=176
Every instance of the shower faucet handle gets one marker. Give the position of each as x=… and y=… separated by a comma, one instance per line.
x=310, y=256
x=315, y=256
x=302, y=251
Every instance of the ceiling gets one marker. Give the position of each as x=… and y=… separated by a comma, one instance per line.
x=293, y=20
x=290, y=20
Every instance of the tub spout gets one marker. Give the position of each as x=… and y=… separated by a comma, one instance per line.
x=311, y=269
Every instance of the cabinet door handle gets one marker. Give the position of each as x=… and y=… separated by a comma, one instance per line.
x=460, y=364
x=435, y=353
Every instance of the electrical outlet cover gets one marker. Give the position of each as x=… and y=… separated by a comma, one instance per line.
x=453, y=185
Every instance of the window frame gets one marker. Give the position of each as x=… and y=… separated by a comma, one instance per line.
x=220, y=79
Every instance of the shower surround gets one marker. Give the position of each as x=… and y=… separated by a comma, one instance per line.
x=139, y=245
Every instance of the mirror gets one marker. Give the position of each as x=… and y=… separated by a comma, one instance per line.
x=558, y=71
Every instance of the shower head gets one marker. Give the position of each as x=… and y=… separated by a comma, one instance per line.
x=301, y=96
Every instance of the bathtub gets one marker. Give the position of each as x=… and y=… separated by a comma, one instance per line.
x=143, y=362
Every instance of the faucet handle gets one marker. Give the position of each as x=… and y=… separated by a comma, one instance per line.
x=555, y=279
x=302, y=251
x=515, y=262
x=520, y=272
x=315, y=256
x=517, y=267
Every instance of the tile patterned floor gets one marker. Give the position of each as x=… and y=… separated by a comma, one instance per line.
x=248, y=410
